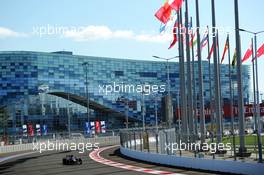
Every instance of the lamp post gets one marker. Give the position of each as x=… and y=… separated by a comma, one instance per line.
x=178, y=112
x=257, y=90
x=127, y=108
x=85, y=65
x=156, y=112
x=168, y=70
x=170, y=110
x=125, y=101
x=68, y=113
x=143, y=110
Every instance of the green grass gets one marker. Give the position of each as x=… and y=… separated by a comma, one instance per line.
x=250, y=140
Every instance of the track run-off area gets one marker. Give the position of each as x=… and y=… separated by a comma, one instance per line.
x=106, y=160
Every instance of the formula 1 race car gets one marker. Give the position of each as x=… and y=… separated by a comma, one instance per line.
x=71, y=160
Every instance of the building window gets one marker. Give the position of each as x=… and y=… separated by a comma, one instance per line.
x=119, y=73
x=148, y=74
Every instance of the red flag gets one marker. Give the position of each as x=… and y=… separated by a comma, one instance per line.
x=225, y=49
x=176, y=24
x=164, y=13
x=260, y=51
x=211, y=52
x=176, y=4
x=247, y=54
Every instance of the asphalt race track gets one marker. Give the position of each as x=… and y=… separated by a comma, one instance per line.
x=51, y=163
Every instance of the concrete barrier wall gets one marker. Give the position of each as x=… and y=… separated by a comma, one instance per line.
x=103, y=141
x=224, y=166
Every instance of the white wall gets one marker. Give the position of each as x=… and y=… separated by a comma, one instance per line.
x=227, y=166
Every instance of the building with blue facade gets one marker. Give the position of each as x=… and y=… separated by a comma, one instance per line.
x=44, y=88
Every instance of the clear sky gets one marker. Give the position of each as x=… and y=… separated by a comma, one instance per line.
x=114, y=28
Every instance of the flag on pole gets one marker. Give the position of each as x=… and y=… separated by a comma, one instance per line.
x=225, y=49
x=164, y=13
x=193, y=40
x=211, y=52
x=204, y=41
x=176, y=4
x=164, y=27
x=260, y=51
x=248, y=53
x=174, y=31
x=234, y=59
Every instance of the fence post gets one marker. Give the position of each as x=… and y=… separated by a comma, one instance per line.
x=157, y=142
x=166, y=140
x=147, y=134
x=126, y=139
x=130, y=141
x=140, y=141
x=135, y=141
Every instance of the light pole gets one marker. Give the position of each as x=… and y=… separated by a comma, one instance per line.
x=143, y=110
x=85, y=65
x=257, y=89
x=156, y=112
x=168, y=70
x=170, y=109
x=68, y=112
x=125, y=101
x=127, y=108
x=178, y=111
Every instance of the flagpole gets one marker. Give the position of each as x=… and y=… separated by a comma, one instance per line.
x=182, y=79
x=194, y=87
x=231, y=97
x=201, y=87
x=258, y=107
x=220, y=88
x=242, y=148
x=210, y=87
x=189, y=75
x=210, y=84
x=216, y=77
x=254, y=88
x=212, y=134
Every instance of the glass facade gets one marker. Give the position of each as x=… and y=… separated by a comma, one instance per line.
x=27, y=78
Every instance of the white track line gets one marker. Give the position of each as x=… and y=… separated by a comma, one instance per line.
x=15, y=156
x=95, y=155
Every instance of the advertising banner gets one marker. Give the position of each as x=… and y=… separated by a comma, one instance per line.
x=92, y=127
x=38, y=131
x=103, y=127
x=30, y=130
x=44, y=130
x=24, y=127
x=87, y=128
x=98, y=127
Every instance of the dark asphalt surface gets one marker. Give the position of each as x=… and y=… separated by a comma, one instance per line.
x=51, y=163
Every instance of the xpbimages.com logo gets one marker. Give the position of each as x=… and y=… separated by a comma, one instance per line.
x=211, y=147
x=147, y=89
x=64, y=146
